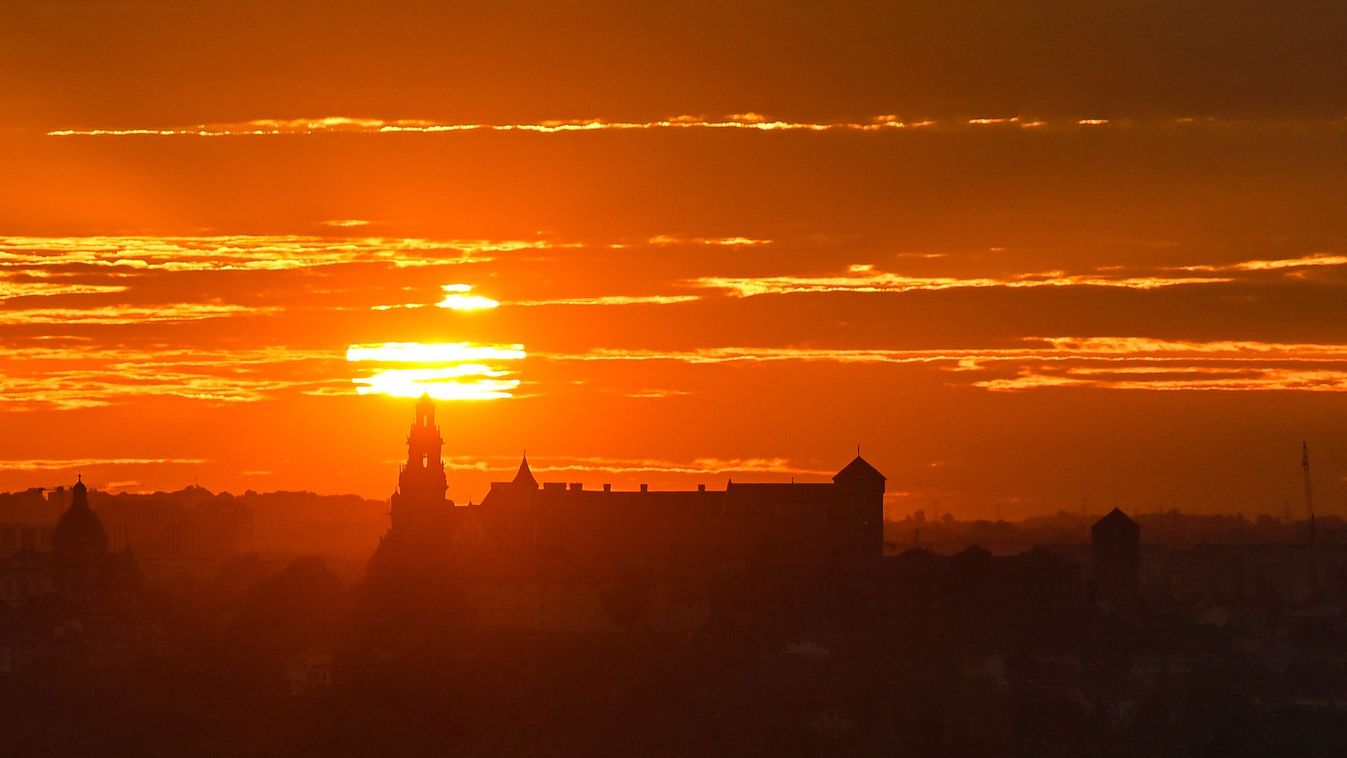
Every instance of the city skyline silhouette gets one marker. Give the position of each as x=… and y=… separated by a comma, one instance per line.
x=673, y=378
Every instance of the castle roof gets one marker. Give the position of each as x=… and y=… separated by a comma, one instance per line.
x=858, y=470
x=1115, y=520
x=524, y=476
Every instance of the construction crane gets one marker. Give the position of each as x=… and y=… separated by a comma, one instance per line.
x=1309, y=495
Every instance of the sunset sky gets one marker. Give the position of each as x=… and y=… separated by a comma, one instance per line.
x=1029, y=256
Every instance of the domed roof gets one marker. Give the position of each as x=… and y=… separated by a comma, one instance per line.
x=79, y=532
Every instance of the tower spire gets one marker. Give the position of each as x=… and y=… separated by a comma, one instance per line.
x=524, y=476
x=421, y=480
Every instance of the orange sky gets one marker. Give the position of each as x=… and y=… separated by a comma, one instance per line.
x=1030, y=258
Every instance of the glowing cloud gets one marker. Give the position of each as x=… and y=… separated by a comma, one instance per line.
x=457, y=298
x=866, y=279
x=612, y=300
x=346, y=125
x=1115, y=363
x=1205, y=380
x=597, y=464
x=266, y=127
x=62, y=464
x=1313, y=259
x=754, y=122
x=250, y=252
x=12, y=288
x=78, y=375
x=128, y=314
x=128, y=254
x=664, y=240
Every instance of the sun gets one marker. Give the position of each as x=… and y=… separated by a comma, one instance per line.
x=443, y=370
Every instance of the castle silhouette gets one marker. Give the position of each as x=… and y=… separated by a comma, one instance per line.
x=837, y=524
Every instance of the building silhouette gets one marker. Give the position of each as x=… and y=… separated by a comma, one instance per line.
x=79, y=542
x=419, y=505
x=79, y=566
x=1115, y=559
x=838, y=524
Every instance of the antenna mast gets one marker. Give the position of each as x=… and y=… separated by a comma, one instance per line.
x=1309, y=495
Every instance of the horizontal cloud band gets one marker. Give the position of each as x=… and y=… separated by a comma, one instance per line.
x=755, y=122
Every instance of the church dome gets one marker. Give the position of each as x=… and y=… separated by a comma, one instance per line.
x=80, y=532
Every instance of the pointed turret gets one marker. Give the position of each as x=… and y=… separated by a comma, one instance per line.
x=859, y=471
x=524, y=476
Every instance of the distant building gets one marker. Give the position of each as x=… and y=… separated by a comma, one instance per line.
x=422, y=520
x=25, y=574
x=79, y=565
x=419, y=505
x=1115, y=558
x=796, y=523
x=20, y=536
x=1279, y=575
x=837, y=523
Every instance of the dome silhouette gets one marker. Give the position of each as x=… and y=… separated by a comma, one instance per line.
x=79, y=535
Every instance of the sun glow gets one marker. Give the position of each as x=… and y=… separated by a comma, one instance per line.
x=443, y=370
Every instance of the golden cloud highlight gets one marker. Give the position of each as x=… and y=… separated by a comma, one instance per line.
x=11, y=288
x=754, y=122
x=599, y=464
x=74, y=373
x=611, y=300
x=131, y=253
x=250, y=252
x=865, y=279
x=78, y=375
x=130, y=314
x=1304, y=261
x=1157, y=380
x=347, y=125
x=1115, y=363
x=749, y=121
x=64, y=464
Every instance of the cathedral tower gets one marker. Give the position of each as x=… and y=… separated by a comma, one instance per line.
x=419, y=504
